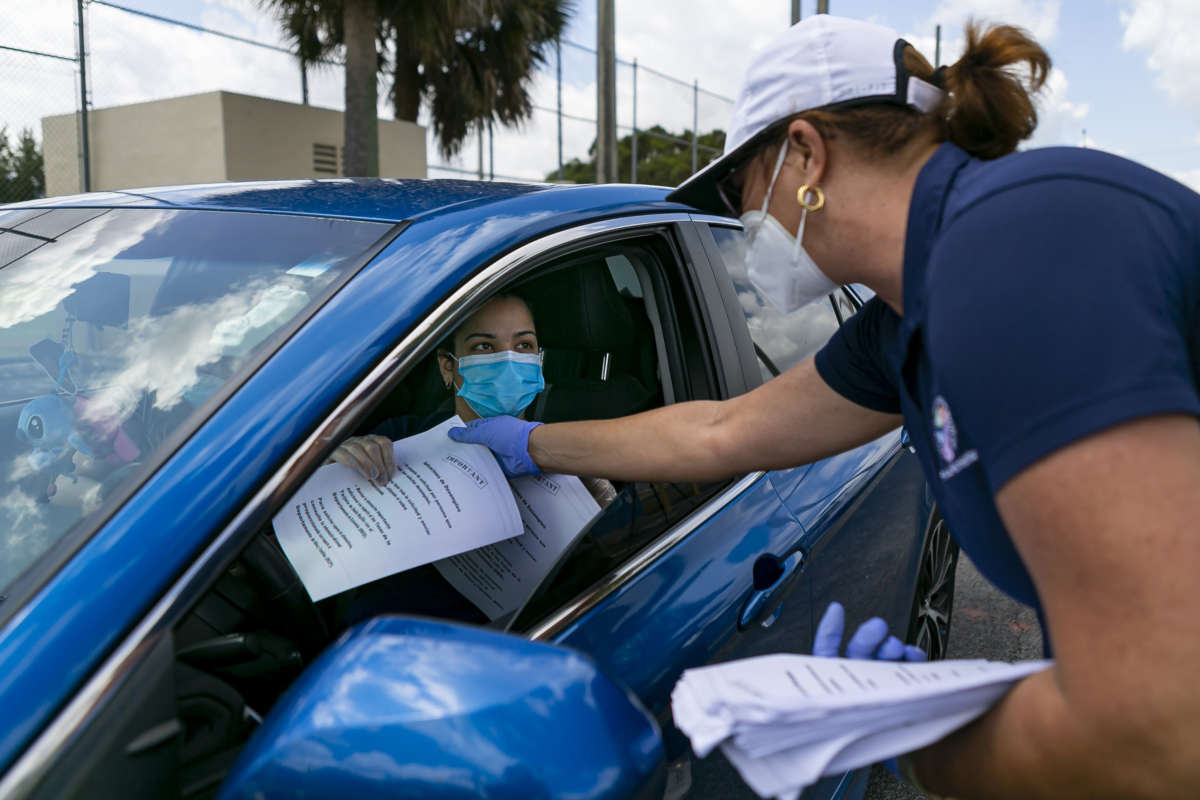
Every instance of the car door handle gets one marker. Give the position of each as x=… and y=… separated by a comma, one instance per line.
x=779, y=575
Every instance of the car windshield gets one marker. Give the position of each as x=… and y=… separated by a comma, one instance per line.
x=116, y=326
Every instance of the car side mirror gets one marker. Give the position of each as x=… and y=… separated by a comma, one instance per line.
x=407, y=708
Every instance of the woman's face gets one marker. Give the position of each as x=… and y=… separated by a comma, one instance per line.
x=503, y=323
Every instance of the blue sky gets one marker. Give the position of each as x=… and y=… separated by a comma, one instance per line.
x=1126, y=71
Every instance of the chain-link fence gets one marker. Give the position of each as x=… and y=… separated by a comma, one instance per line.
x=131, y=56
x=39, y=80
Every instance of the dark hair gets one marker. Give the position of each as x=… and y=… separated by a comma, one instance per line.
x=988, y=108
x=447, y=343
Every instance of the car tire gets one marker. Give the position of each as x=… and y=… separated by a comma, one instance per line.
x=933, y=599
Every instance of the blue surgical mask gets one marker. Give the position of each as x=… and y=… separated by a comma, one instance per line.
x=500, y=383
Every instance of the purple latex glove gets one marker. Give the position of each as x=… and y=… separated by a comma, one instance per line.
x=507, y=438
x=869, y=642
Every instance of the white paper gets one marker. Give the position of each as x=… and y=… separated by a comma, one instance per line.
x=500, y=577
x=341, y=530
x=786, y=720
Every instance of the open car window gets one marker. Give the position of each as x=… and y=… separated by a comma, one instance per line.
x=116, y=328
x=781, y=340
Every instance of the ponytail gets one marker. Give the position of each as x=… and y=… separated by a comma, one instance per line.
x=988, y=108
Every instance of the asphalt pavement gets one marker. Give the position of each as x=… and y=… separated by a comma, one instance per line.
x=985, y=624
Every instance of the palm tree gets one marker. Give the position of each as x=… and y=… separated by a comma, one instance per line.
x=471, y=60
x=317, y=28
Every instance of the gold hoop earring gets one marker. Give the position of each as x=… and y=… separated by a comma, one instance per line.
x=810, y=205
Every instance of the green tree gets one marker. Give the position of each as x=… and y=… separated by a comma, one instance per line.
x=664, y=158
x=471, y=61
x=22, y=169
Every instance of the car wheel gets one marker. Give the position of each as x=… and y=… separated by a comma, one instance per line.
x=933, y=601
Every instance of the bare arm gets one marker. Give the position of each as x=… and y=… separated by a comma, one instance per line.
x=794, y=419
x=1110, y=530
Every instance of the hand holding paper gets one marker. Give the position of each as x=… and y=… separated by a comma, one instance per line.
x=341, y=530
x=372, y=456
x=784, y=721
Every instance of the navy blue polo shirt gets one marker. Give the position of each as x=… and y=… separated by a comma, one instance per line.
x=1048, y=295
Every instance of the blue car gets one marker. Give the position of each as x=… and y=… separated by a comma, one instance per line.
x=176, y=362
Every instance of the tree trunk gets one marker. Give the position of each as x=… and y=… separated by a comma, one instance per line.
x=406, y=86
x=361, y=156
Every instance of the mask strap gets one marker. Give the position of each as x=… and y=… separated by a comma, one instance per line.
x=798, y=248
x=774, y=175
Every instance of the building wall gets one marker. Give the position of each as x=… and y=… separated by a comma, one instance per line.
x=60, y=148
x=216, y=136
x=273, y=139
x=177, y=140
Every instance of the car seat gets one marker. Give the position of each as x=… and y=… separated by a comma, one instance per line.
x=599, y=348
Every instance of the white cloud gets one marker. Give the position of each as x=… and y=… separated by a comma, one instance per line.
x=1167, y=31
x=1062, y=119
x=1188, y=177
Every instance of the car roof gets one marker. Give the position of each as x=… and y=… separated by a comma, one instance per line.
x=378, y=199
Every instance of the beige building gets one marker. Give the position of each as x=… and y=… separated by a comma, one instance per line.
x=216, y=136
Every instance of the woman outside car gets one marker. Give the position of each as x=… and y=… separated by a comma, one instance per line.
x=1035, y=331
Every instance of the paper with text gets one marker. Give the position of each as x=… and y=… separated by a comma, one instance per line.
x=341, y=530
x=786, y=720
x=499, y=577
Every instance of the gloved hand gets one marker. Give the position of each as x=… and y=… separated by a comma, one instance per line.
x=507, y=438
x=869, y=642
x=371, y=455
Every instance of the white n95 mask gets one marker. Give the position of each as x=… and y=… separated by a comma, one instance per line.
x=776, y=262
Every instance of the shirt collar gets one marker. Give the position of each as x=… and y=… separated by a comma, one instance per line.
x=924, y=220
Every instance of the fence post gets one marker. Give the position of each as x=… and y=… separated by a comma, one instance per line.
x=479, y=134
x=633, y=144
x=84, y=140
x=558, y=63
x=695, y=122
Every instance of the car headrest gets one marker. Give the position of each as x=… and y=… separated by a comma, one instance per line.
x=580, y=309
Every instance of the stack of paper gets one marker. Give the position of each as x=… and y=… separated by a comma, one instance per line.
x=786, y=720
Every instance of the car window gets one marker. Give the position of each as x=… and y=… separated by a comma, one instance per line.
x=780, y=340
x=117, y=325
x=618, y=328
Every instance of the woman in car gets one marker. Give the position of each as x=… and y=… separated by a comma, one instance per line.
x=1035, y=330
x=491, y=365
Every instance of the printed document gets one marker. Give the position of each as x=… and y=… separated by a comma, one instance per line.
x=784, y=721
x=498, y=578
x=341, y=530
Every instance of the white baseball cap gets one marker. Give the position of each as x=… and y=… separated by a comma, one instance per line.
x=820, y=62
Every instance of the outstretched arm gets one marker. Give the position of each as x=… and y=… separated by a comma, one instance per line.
x=1110, y=529
x=790, y=420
